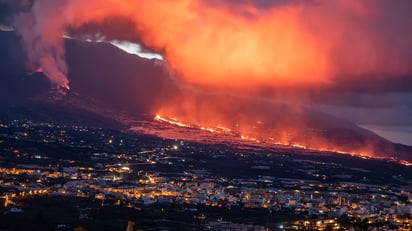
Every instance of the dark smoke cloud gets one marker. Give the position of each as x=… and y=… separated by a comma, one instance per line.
x=10, y=8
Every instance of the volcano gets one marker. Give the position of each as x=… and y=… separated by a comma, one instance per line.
x=112, y=88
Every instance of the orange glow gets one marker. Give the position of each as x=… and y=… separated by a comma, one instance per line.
x=237, y=45
x=174, y=121
x=66, y=86
x=209, y=45
x=39, y=70
x=171, y=121
x=258, y=122
x=318, y=144
x=406, y=163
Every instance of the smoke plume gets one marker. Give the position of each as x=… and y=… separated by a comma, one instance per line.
x=236, y=44
x=247, y=47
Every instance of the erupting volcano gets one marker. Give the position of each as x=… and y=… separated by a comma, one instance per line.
x=275, y=72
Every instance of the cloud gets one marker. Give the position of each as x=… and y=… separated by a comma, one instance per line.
x=243, y=45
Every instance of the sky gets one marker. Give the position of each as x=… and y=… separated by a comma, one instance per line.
x=349, y=58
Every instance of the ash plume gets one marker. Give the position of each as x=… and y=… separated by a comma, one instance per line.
x=247, y=44
x=270, y=49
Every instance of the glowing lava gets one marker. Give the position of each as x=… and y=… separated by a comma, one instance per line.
x=273, y=141
x=171, y=121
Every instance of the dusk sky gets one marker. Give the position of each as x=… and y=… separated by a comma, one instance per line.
x=349, y=58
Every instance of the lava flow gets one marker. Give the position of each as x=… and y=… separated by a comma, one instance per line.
x=174, y=121
x=272, y=141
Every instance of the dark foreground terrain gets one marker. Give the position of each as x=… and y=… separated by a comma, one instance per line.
x=60, y=177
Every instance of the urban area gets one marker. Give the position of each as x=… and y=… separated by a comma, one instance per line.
x=207, y=186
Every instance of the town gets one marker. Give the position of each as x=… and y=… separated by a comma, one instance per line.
x=217, y=186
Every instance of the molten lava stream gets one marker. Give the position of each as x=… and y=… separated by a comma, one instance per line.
x=270, y=140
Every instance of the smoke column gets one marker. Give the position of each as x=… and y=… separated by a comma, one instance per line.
x=241, y=47
x=236, y=44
